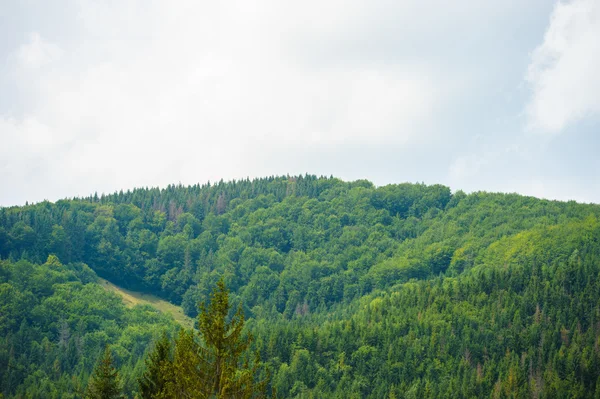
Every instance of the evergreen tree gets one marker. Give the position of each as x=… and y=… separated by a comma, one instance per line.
x=159, y=370
x=188, y=378
x=223, y=375
x=211, y=370
x=105, y=382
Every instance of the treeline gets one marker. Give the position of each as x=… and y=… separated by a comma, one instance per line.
x=177, y=242
x=284, y=245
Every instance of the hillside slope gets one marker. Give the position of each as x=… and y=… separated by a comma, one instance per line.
x=133, y=298
x=353, y=290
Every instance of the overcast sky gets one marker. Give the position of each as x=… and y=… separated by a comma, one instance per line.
x=495, y=95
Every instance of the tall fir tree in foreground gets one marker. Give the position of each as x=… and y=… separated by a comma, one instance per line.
x=207, y=364
x=223, y=350
x=105, y=382
x=159, y=369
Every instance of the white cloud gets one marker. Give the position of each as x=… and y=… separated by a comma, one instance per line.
x=37, y=52
x=564, y=70
x=148, y=92
x=551, y=188
x=151, y=93
x=466, y=166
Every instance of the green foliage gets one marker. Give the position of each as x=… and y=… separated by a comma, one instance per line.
x=104, y=382
x=223, y=350
x=523, y=324
x=349, y=290
x=185, y=378
x=208, y=364
x=176, y=242
x=159, y=369
x=55, y=322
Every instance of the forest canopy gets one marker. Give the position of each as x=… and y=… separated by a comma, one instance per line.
x=350, y=290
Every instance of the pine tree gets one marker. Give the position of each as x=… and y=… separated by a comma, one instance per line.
x=205, y=365
x=188, y=379
x=224, y=345
x=105, y=382
x=159, y=370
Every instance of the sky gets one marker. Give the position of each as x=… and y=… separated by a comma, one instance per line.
x=495, y=95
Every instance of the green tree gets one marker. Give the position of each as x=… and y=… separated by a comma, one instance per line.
x=224, y=347
x=159, y=370
x=205, y=365
x=105, y=382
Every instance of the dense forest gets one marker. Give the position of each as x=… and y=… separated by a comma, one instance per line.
x=350, y=290
x=55, y=322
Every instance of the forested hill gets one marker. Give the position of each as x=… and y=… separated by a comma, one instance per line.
x=281, y=242
x=354, y=290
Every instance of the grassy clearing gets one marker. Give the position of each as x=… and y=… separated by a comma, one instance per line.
x=132, y=298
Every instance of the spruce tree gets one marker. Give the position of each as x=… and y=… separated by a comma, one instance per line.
x=105, y=382
x=205, y=365
x=221, y=369
x=159, y=370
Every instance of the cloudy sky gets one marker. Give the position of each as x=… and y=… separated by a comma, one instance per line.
x=495, y=95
